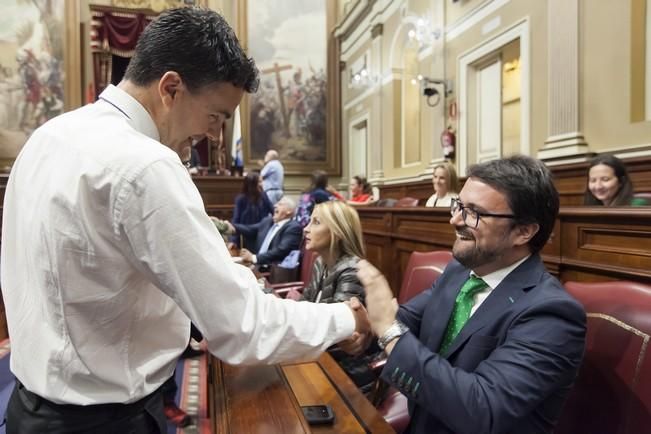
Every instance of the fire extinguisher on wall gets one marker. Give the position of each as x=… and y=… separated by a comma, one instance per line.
x=448, y=143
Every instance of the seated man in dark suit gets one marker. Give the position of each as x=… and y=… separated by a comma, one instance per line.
x=276, y=235
x=495, y=345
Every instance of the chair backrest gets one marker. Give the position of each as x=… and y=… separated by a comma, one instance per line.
x=612, y=393
x=387, y=203
x=422, y=270
x=307, y=263
x=407, y=202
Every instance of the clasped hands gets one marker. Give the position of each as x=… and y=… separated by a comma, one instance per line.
x=380, y=311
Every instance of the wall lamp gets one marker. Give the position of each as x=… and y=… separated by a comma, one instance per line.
x=431, y=92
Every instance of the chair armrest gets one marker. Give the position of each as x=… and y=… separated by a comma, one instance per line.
x=282, y=292
x=286, y=285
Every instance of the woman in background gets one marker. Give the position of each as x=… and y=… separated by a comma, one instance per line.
x=318, y=192
x=446, y=186
x=360, y=191
x=608, y=183
x=251, y=206
x=335, y=233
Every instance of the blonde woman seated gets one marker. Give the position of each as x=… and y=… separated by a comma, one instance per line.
x=335, y=233
x=446, y=186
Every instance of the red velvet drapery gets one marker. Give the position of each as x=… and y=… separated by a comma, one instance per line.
x=113, y=33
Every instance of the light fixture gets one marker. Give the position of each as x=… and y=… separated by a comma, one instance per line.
x=423, y=32
x=363, y=78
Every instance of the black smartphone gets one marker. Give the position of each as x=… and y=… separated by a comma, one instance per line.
x=318, y=414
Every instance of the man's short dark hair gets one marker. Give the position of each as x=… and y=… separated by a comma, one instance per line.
x=196, y=43
x=529, y=189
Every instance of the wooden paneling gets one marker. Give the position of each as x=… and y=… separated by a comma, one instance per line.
x=589, y=244
x=218, y=190
x=267, y=399
x=570, y=181
x=606, y=243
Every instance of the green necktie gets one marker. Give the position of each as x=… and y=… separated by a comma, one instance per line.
x=461, y=311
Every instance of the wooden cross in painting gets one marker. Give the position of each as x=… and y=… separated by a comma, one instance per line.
x=276, y=69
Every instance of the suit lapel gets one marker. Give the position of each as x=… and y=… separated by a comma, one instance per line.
x=443, y=303
x=507, y=293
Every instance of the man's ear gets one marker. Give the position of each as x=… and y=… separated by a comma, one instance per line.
x=168, y=87
x=524, y=233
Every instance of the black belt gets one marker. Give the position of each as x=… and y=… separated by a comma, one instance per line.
x=273, y=189
x=36, y=401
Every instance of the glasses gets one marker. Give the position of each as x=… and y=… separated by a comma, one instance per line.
x=470, y=216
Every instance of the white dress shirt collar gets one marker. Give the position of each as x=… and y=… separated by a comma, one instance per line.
x=138, y=116
x=495, y=278
x=492, y=280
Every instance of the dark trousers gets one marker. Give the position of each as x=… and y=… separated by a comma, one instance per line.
x=28, y=413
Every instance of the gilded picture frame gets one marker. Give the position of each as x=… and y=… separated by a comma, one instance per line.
x=295, y=86
x=40, y=74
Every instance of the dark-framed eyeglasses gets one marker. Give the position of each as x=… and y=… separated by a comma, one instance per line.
x=471, y=216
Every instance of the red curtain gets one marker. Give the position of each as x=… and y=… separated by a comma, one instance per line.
x=113, y=34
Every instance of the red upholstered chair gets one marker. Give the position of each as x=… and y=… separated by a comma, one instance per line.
x=307, y=263
x=422, y=270
x=386, y=203
x=406, y=202
x=612, y=393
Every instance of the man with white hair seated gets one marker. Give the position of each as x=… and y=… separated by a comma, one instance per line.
x=276, y=235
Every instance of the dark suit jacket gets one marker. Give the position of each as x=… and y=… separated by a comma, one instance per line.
x=510, y=368
x=287, y=238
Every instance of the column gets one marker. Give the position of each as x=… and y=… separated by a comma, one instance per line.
x=375, y=144
x=565, y=139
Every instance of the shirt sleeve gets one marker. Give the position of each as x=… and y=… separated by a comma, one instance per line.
x=173, y=242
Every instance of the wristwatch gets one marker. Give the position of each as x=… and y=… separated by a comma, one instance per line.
x=394, y=331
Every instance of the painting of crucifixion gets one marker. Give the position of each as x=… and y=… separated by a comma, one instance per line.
x=31, y=70
x=288, y=40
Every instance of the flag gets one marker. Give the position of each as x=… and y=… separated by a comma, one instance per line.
x=236, y=146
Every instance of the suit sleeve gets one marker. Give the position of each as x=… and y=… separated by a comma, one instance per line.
x=540, y=353
x=411, y=312
x=248, y=230
x=290, y=239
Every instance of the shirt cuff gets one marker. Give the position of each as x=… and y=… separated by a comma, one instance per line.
x=254, y=259
x=344, y=320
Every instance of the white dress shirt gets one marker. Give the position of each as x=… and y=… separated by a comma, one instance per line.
x=106, y=253
x=492, y=280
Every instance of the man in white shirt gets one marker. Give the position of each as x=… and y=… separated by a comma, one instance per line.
x=494, y=346
x=108, y=253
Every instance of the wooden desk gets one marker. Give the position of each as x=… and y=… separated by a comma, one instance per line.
x=267, y=399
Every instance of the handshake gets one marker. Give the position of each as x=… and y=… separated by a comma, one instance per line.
x=380, y=316
x=223, y=226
